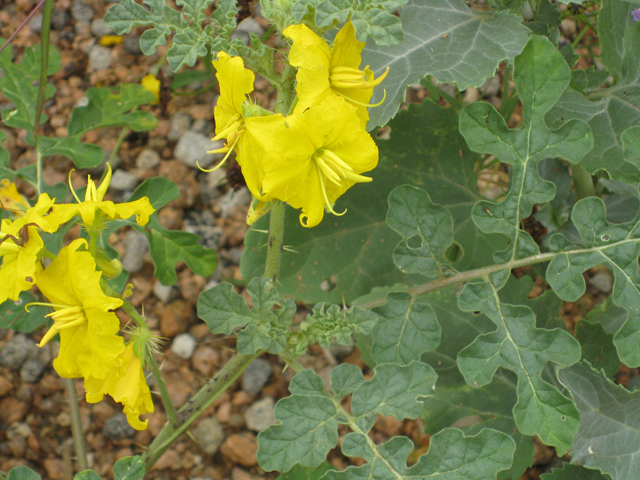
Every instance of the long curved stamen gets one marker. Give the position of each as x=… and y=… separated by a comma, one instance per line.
x=66, y=316
x=233, y=125
x=328, y=171
x=328, y=205
x=343, y=169
x=348, y=77
x=222, y=162
x=73, y=192
x=349, y=99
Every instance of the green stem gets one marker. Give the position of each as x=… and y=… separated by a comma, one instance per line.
x=274, y=242
x=169, y=407
x=467, y=277
x=583, y=182
x=195, y=406
x=76, y=424
x=119, y=142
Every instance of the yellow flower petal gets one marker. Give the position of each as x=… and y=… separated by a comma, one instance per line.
x=89, y=344
x=152, y=84
x=126, y=385
x=11, y=200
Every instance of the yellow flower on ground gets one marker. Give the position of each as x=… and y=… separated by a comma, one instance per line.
x=11, y=200
x=323, y=70
x=152, y=84
x=127, y=385
x=89, y=344
x=20, y=247
x=94, y=206
x=110, y=40
x=316, y=156
x=237, y=121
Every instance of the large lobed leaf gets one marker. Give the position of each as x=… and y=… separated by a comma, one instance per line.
x=345, y=257
x=449, y=40
x=610, y=111
x=518, y=345
x=609, y=435
x=602, y=242
x=541, y=75
x=308, y=419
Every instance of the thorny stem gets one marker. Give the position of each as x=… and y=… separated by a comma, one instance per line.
x=274, y=245
x=76, y=424
x=195, y=406
x=466, y=277
x=169, y=407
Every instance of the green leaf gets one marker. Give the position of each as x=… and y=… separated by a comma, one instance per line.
x=345, y=379
x=158, y=190
x=190, y=39
x=451, y=41
x=457, y=404
x=404, y=331
x=19, y=84
x=426, y=229
x=4, y=157
x=224, y=17
x=129, y=468
x=306, y=473
x=573, y=472
x=608, y=438
x=394, y=390
x=519, y=346
x=546, y=18
x=14, y=316
x=618, y=246
x=345, y=257
x=541, y=75
x=307, y=428
x=476, y=458
x=87, y=475
x=223, y=309
x=22, y=473
x=168, y=247
x=107, y=107
x=597, y=347
x=610, y=111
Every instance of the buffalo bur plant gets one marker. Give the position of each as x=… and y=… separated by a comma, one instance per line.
x=420, y=242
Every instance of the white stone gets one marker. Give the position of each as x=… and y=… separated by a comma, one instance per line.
x=184, y=345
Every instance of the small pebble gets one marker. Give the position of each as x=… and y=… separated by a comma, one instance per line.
x=17, y=351
x=180, y=124
x=99, y=58
x=192, y=148
x=32, y=369
x=602, y=281
x=491, y=86
x=99, y=29
x=148, y=159
x=209, y=435
x=260, y=415
x=256, y=376
x=232, y=199
x=202, y=126
x=183, y=346
x=251, y=25
x=81, y=12
x=136, y=245
x=117, y=427
x=165, y=293
x=124, y=181
x=131, y=45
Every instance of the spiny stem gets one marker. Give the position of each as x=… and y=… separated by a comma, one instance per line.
x=169, y=407
x=274, y=243
x=467, y=277
x=76, y=424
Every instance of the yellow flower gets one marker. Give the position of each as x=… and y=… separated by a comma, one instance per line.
x=316, y=156
x=323, y=70
x=93, y=201
x=20, y=247
x=89, y=344
x=11, y=200
x=110, y=40
x=127, y=385
x=236, y=121
x=150, y=83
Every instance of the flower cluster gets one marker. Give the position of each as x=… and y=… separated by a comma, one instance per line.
x=90, y=344
x=312, y=156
